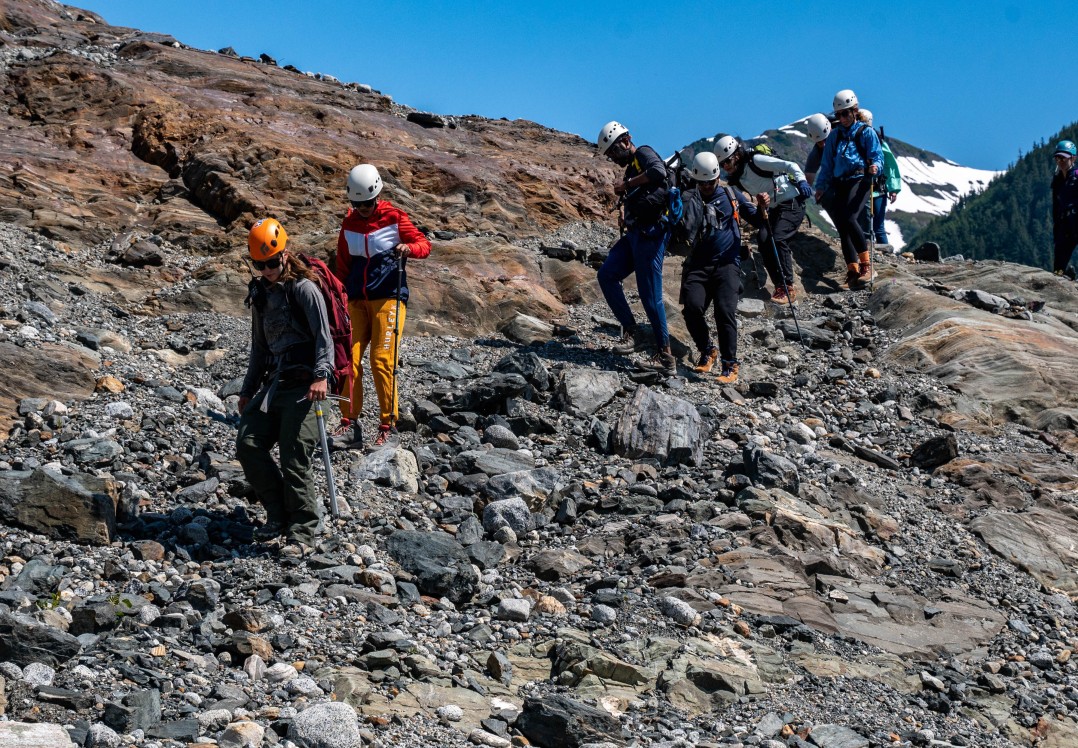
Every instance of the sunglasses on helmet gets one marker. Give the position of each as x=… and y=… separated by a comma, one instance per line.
x=272, y=263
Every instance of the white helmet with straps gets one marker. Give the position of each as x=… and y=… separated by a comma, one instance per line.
x=819, y=127
x=364, y=183
x=705, y=167
x=726, y=147
x=844, y=99
x=611, y=131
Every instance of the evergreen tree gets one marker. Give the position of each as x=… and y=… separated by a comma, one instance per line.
x=1012, y=219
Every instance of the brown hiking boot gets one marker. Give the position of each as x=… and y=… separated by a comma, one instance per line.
x=779, y=297
x=706, y=361
x=853, y=277
x=662, y=362
x=865, y=273
x=729, y=373
x=630, y=342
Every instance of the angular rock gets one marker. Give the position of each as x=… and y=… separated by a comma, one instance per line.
x=581, y=392
x=769, y=470
x=557, y=564
x=482, y=394
x=396, y=468
x=513, y=513
x=660, y=426
x=939, y=450
x=34, y=735
x=79, y=508
x=23, y=641
x=439, y=563
x=526, y=329
x=534, y=486
x=837, y=736
x=556, y=721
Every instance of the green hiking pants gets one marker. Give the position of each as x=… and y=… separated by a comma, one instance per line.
x=287, y=492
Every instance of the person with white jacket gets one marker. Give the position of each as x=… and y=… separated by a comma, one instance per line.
x=780, y=186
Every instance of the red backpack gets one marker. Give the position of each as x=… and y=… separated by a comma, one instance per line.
x=340, y=324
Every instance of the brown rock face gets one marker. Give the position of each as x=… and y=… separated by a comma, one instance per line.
x=111, y=129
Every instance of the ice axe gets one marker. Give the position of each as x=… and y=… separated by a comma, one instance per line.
x=325, y=451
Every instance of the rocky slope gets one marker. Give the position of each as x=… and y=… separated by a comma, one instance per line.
x=869, y=541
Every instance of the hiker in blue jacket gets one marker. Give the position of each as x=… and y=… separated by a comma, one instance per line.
x=642, y=247
x=852, y=157
x=1064, y=205
x=712, y=270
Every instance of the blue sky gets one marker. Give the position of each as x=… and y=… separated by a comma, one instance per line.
x=975, y=82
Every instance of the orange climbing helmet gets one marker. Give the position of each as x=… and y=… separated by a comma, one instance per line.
x=267, y=238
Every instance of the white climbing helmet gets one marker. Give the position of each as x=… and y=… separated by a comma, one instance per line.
x=705, y=167
x=819, y=127
x=866, y=116
x=844, y=99
x=726, y=147
x=611, y=131
x=364, y=183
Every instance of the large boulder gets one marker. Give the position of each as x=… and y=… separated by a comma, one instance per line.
x=556, y=721
x=80, y=508
x=660, y=426
x=439, y=563
x=24, y=640
x=581, y=392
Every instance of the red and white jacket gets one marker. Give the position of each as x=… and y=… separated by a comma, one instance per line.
x=366, y=263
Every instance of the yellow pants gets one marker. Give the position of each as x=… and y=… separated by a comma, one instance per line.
x=372, y=324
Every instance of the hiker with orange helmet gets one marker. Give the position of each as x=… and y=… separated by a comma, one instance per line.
x=375, y=239
x=290, y=366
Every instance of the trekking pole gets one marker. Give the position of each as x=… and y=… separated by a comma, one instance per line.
x=396, y=337
x=778, y=265
x=871, y=236
x=333, y=509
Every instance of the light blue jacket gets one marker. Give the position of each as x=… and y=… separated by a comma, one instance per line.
x=845, y=154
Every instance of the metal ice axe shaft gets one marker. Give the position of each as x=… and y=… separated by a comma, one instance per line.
x=333, y=509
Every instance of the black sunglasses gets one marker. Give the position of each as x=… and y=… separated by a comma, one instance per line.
x=364, y=203
x=272, y=263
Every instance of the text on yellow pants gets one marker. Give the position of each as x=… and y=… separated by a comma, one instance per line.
x=372, y=325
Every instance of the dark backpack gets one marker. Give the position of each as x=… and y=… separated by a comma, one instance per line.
x=698, y=220
x=340, y=324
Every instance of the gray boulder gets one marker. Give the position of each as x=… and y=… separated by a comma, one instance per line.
x=581, y=392
x=439, y=563
x=513, y=513
x=327, y=725
x=660, y=426
x=80, y=508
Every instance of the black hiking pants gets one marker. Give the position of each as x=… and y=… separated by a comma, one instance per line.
x=850, y=200
x=1065, y=245
x=700, y=287
x=783, y=220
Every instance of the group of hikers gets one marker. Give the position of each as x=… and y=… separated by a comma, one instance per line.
x=312, y=324
x=295, y=354
x=850, y=172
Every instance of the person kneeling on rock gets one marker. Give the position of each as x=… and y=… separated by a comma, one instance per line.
x=712, y=270
x=290, y=366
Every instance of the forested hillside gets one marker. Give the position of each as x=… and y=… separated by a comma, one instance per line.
x=1012, y=219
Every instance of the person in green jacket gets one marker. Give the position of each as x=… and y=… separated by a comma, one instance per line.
x=885, y=189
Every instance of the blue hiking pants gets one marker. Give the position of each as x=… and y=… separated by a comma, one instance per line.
x=644, y=255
